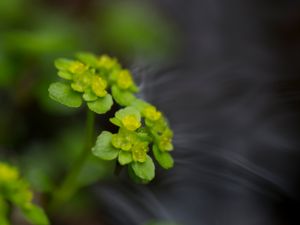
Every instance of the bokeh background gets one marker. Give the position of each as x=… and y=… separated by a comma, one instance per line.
x=225, y=72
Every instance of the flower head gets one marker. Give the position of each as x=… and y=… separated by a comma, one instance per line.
x=124, y=79
x=98, y=86
x=100, y=81
x=77, y=67
x=107, y=62
x=85, y=81
x=165, y=141
x=81, y=81
x=139, y=151
x=129, y=118
x=123, y=140
x=151, y=113
x=131, y=122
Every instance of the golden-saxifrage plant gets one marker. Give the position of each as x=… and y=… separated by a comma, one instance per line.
x=101, y=82
x=15, y=192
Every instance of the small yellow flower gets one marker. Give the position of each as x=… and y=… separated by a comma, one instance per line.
x=152, y=113
x=165, y=144
x=77, y=67
x=130, y=122
x=81, y=82
x=165, y=141
x=122, y=141
x=139, y=151
x=8, y=173
x=124, y=79
x=107, y=62
x=98, y=86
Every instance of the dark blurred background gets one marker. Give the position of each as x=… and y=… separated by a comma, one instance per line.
x=225, y=72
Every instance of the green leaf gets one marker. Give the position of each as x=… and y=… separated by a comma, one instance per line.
x=164, y=159
x=63, y=94
x=123, y=98
x=149, y=123
x=87, y=58
x=125, y=157
x=139, y=104
x=62, y=64
x=103, y=148
x=101, y=105
x=128, y=111
x=134, y=88
x=65, y=75
x=134, y=177
x=35, y=215
x=144, y=136
x=89, y=95
x=115, y=121
x=145, y=170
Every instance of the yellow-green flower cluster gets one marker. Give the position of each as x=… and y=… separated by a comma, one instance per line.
x=129, y=142
x=139, y=151
x=15, y=190
x=159, y=128
x=141, y=127
x=98, y=80
x=101, y=81
x=127, y=139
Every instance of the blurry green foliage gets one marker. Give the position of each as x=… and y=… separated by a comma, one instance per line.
x=61, y=152
x=6, y=71
x=15, y=190
x=10, y=10
x=135, y=28
x=37, y=42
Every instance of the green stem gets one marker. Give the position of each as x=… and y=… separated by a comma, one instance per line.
x=69, y=185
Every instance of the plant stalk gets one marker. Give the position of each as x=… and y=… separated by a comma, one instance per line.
x=69, y=185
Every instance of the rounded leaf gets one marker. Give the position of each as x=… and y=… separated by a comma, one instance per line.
x=123, y=98
x=145, y=170
x=101, y=105
x=103, y=148
x=134, y=177
x=65, y=75
x=62, y=64
x=87, y=58
x=127, y=112
x=139, y=104
x=125, y=157
x=164, y=159
x=64, y=94
x=115, y=121
x=89, y=96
